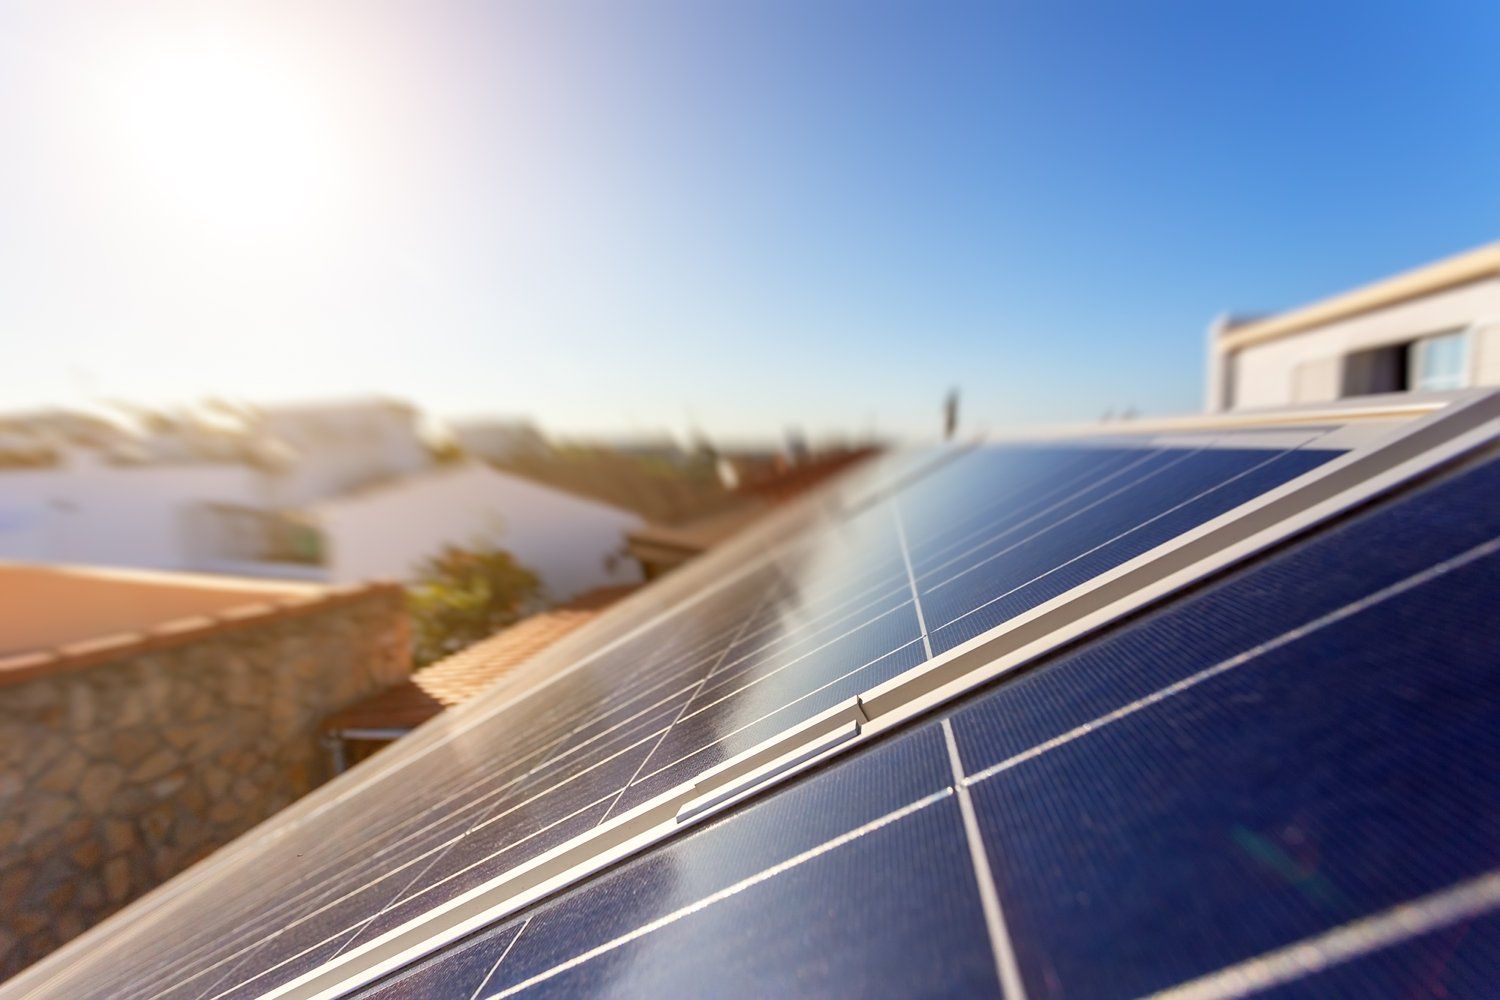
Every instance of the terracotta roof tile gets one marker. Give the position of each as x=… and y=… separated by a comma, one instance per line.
x=463, y=675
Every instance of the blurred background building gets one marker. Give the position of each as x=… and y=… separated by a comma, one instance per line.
x=333, y=492
x=1433, y=328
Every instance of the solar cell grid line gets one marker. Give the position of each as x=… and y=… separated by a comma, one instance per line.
x=929, y=809
x=1148, y=535
x=757, y=666
x=793, y=645
x=352, y=901
x=809, y=599
x=655, y=746
x=972, y=476
x=754, y=692
x=254, y=931
x=723, y=743
x=711, y=739
x=1248, y=657
x=1053, y=517
x=737, y=711
x=911, y=579
x=1189, y=511
x=480, y=856
x=268, y=964
x=1322, y=579
x=994, y=914
x=1027, y=560
x=929, y=556
x=808, y=824
x=1306, y=959
x=1209, y=481
x=1393, y=726
x=1052, y=497
x=1076, y=470
x=959, y=533
x=349, y=899
x=1455, y=959
x=494, y=968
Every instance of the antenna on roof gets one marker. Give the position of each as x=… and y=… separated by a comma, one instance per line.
x=950, y=414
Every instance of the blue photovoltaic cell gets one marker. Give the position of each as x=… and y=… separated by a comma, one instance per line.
x=1261, y=806
x=913, y=912
x=984, y=534
x=922, y=928
x=1302, y=746
x=1460, y=959
x=1040, y=553
x=460, y=973
x=1315, y=579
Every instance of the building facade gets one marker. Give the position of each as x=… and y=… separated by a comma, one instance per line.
x=1431, y=329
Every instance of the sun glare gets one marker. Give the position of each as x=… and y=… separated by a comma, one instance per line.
x=226, y=137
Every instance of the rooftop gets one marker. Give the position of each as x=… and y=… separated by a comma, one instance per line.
x=457, y=678
x=663, y=547
x=70, y=617
x=1462, y=269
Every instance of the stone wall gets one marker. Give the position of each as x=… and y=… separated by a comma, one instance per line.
x=125, y=760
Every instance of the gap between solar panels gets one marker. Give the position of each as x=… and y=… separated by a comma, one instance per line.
x=1428, y=440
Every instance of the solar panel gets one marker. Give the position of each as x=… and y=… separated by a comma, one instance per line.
x=1175, y=804
x=908, y=583
x=817, y=856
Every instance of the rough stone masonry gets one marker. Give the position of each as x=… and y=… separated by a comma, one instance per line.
x=122, y=764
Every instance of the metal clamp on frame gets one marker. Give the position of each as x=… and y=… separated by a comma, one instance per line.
x=740, y=777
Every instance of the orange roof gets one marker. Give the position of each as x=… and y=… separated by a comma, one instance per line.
x=62, y=618
x=457, y=678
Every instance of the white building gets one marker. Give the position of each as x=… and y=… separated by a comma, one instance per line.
x=86, y=509
x=337, y=493
x=324, y=449
x=387, y=531
x=1433, y=328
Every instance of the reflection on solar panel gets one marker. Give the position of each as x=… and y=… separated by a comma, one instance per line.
x=1034, y=761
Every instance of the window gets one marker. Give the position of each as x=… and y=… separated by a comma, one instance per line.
x=1427, y=364
x=1440, y=362
x=1381, y=369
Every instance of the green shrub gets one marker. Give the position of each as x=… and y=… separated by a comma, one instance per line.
x=463, y=595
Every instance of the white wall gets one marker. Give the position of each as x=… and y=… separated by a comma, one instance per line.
x=1296, y=368
x=338, y=447
x=389, y=531
x=89, y=512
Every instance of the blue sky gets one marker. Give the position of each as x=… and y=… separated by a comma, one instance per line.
x=620, y=217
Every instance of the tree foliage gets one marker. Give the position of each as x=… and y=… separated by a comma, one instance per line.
x=463, y=595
